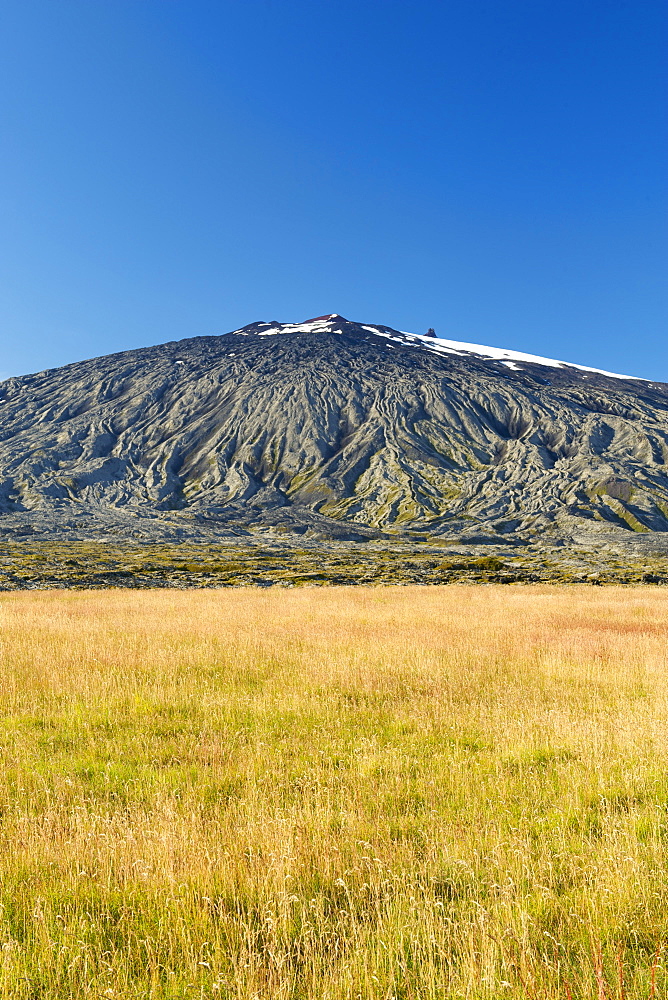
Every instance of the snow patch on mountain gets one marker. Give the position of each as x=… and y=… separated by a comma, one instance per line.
x=334, y=323
x=509, y=357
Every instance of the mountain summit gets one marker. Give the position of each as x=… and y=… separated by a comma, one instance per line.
x=334, y=429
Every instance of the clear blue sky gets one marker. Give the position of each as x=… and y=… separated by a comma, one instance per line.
x=496, y=169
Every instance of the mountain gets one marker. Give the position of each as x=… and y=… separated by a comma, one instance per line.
x=331, y=429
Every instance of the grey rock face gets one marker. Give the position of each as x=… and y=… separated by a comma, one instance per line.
x=334, y=428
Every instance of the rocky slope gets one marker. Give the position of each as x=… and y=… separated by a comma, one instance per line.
x=331, y=429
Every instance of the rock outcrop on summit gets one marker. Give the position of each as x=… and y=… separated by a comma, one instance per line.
x=333, y=429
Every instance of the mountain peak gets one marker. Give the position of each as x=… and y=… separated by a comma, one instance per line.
x=328, y=316
x=334, y=323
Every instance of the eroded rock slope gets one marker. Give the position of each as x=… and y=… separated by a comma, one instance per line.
x=334, y=428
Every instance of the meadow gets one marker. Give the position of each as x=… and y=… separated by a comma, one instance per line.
x=334, y=792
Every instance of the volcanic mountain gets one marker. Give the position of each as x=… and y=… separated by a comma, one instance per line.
x=333, y=429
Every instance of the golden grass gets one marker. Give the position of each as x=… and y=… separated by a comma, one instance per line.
x=334, y=793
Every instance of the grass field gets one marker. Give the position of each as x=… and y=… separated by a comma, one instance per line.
x=334, y=793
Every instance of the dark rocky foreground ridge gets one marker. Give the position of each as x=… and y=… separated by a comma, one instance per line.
x=332, y=432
